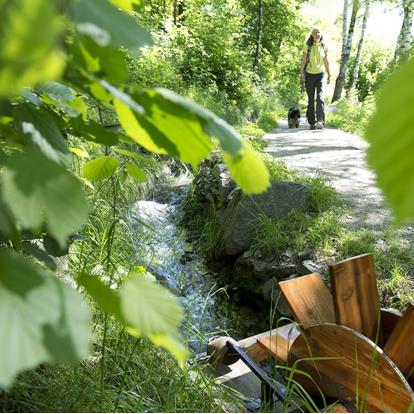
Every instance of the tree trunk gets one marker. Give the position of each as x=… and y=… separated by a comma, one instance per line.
x=258, y=36
x=340, y=80
x=405, y=37
x=355, y=71
x=345, y=20
x=178, y=9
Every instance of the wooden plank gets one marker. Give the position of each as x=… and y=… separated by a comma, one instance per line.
x=348, y=366
x=309, y=299
x=400, y=345
x=389, y=320
x=355, y=294
x=279, y=343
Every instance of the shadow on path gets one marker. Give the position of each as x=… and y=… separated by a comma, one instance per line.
x=340, y=157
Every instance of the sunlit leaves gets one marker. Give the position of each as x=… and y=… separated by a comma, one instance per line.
x=38, y=190
x=104, y=62
x=44, y=319
x=107, y=25
x=390, y=134
x=100, y=168
x=248, y=171
x=107, y=299
x=171, y=124
x=29, y=33
x=135, y=172
x=146, y=308
x=127, y=5
x=229, y=139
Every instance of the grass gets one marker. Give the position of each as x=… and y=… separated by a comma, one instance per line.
x=138, y=378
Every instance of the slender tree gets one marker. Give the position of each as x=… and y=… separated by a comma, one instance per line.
x=259, y=35
x=345, y=21
x=355, y=71
x=405, y=36
x=340, y=80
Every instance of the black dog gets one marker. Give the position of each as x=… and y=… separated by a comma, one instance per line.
x=293, y=117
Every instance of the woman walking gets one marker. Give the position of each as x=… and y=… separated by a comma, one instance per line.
x=312, y=71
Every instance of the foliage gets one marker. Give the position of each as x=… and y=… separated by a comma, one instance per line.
x=352, y=115
x=392, y=144
x=42, y=201
x=132, y=382
x=373, y=71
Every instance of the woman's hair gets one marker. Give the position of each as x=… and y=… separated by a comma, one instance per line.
x=309, y=42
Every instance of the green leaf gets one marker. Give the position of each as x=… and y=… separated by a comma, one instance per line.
x=41, y=319
x=391, y=138
x=35, y=251
x=107, y=298
x=214, y=126
x=149, y=308
x=107, y=25
x=127, y=5
x=29, y=32
x=63, y=97
x=38, y=190
x=248, y=171
x=100, y=168
x=92, y=131
x=42, y=131
x=141, y=158
x=135, y=172
x=173, y=345
x=105, y=62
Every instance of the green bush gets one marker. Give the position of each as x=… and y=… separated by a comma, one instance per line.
x=352, y=115
x=268, y=121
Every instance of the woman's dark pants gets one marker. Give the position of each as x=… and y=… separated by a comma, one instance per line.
x=314, y=82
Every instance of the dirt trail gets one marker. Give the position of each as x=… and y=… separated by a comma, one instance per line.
x=340, y=156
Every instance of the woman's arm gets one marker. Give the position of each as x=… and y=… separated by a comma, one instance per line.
x=326, y=62
x=302, y=66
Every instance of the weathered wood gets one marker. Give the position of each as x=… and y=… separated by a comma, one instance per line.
x=400, y=345
x=279, y=343
x=355, y=294
x=389, y=320
x=255, y=350
x=348, y=366
x=309, y=299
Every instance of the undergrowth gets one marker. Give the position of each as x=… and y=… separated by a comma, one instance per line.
x=352, y=115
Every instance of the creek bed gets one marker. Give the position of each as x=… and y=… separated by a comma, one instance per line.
x=161, y=247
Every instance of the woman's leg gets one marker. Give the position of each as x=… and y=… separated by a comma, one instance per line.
x=310, y=91
x=320, y=98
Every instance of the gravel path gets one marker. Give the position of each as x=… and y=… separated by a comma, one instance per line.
x=339, y=156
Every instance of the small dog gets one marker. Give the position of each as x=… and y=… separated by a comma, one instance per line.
x=293, y=117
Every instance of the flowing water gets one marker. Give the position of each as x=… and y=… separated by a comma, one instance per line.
x=163, y=250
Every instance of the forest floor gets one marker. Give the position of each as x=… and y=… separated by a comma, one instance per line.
x=340, y=157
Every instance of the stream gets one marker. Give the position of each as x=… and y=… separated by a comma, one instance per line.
x=162, y=249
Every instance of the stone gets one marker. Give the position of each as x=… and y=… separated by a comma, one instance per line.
x=250, y=266
x=306, y=267
x=243, y=214
x=272, y=292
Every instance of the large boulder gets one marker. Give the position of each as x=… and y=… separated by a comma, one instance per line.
x=243, y=214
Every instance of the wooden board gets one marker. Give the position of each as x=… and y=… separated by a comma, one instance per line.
x=278, y=344
x=389, y=320
x=400, y=345
x=351, y=367
x=355, y=294
x=309, y=299
x=253, y=349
